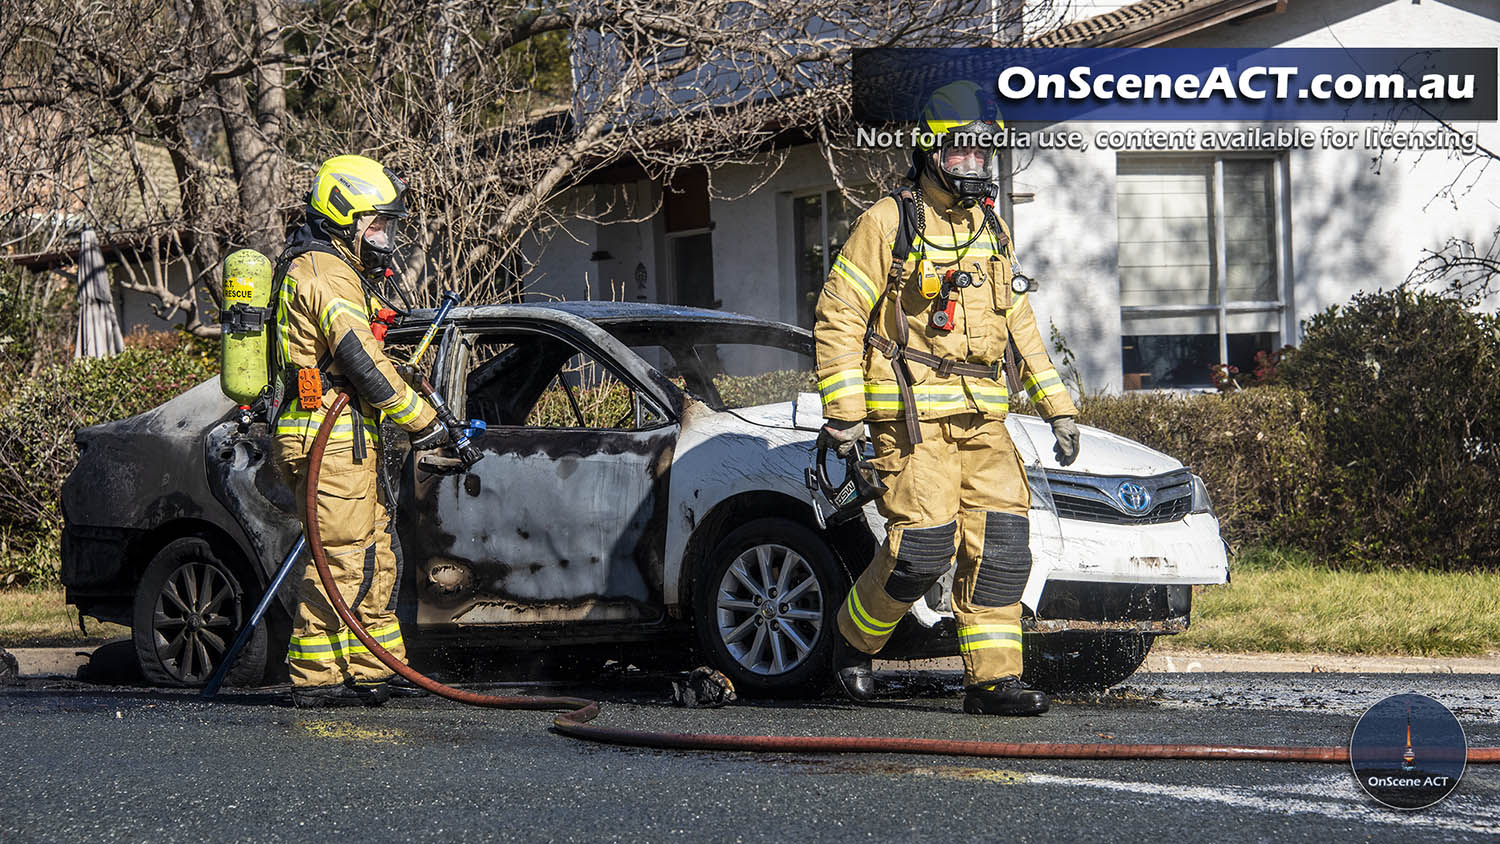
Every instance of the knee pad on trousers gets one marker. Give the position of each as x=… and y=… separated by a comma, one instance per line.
x=1005, y=563
x=923, y=556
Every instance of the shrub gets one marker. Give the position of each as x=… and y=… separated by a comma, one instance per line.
x=1260, y=452
x=1378, y=447
x=36, y=323
x=29, y=558
x=1409, y=385
x=37, y=425
x=765, y=388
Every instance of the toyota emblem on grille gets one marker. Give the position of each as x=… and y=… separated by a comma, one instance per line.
x=1134, y=496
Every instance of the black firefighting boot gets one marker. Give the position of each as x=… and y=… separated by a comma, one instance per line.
x=853, y=671
x=401, y=687
x=1005, y=696
x=340, y=694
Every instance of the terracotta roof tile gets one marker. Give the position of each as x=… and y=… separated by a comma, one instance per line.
x=1141, y=22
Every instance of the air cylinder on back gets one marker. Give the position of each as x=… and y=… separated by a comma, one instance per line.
x=246, y=317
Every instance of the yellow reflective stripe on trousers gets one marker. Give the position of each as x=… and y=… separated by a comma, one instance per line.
x=845, y=382
x=1043, y=384
x=341, y=643
x=846, y=269
x=298, y=421
x=930, y=399
x=407, y=410
x=862, y=619
x=341, y=307
x=981, y=637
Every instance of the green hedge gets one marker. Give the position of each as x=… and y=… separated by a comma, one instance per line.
x=1256, y=450
x=37, y=424
x=1409, y=384
x=1379, y=447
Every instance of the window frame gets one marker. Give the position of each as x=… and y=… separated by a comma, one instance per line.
x=457, y=368
x=1280, y=236
x=829, y=256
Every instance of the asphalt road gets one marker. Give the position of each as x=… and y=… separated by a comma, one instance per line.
x=115, y=763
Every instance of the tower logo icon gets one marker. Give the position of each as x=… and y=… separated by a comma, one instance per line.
x=1408, y=751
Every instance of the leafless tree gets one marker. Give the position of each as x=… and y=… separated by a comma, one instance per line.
x=181, y=129
x=1468, y=268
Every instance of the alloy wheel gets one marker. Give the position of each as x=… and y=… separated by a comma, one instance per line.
x=194, y=621
x=769, y=609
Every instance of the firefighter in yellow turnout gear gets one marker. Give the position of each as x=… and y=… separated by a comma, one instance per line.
x=913, y=345
x=324, y=345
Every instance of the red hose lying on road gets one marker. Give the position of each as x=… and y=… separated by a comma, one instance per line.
x=575, y=721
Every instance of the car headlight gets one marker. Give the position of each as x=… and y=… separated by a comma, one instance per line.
x=1201, y=502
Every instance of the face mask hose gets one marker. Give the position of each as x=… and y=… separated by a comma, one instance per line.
x=574, y=721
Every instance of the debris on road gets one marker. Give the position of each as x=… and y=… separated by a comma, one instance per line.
x=704, y=687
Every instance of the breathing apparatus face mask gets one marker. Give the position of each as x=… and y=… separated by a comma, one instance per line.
x=377, y=254
x=966, y=171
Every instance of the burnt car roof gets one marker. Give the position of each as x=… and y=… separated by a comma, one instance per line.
x=611, y=314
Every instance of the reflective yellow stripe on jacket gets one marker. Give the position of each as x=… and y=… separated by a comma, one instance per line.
x=343, y=643
x=993, y=398
x=341, y=307
x=845, y=382
x=867, y=288
x=411, y=405
x=295, y=420
x=1043, y=385
x=930, y=398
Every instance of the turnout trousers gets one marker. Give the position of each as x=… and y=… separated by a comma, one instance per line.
x=356, y=534
x=961, y=491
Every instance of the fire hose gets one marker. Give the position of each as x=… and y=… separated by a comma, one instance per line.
x=575, y=720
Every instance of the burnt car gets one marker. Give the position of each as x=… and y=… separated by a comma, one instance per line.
x=643, y=492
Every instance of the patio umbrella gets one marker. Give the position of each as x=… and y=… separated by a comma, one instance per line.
x=98, y=325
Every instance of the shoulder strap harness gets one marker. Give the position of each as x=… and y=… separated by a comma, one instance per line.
x=908, y=230
x=284, y=379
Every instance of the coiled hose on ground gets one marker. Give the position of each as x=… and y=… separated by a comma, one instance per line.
x=579, y=712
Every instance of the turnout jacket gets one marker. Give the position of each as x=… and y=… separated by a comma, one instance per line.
x=323, y=320
x=858, y=382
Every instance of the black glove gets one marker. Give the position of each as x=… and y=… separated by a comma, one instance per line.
x=1065, y=430
x=431, y=437
x=470, y=454
x=840, y=435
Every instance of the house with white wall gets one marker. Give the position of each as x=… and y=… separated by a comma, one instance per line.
x=1154, y=265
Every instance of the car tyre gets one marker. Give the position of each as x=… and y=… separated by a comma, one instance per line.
x=188, y=610
x=1065, y=662
x=784, y=649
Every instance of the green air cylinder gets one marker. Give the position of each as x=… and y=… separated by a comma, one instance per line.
x=245, y=319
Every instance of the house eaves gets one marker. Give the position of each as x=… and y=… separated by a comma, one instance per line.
x=1151, y=23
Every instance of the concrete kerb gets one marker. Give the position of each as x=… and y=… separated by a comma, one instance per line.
x=65, y=662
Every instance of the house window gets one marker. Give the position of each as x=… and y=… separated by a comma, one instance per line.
x=1202, y=275
x=689, y=239
x=821, y=225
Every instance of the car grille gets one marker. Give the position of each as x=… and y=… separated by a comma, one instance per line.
x=1070, y=507
x=1094, y=498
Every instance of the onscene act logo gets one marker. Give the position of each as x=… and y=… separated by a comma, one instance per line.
x=1408, y=751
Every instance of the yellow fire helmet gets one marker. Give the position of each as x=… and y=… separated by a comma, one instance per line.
x=958, y=111
x=349, y=186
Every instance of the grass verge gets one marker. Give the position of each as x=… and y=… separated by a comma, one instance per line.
x=1283, y=602
x=38, y=617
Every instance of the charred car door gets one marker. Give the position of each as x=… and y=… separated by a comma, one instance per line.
x=564, y=519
